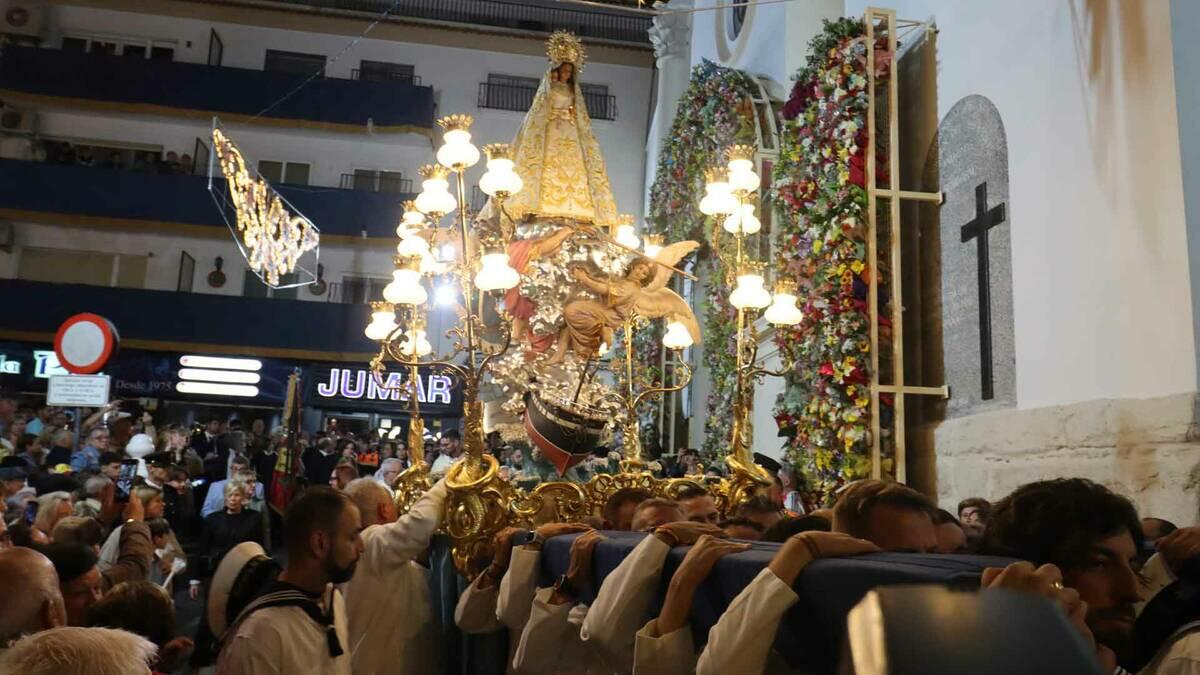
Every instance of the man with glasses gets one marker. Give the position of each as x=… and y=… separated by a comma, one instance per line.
x=87, y=458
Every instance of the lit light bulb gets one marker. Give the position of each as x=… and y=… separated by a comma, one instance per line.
x=742, y=177
x=383, y=321
x=412, y=245
x=412, y=219
x=718, y=195
x=652, y=245
x=457, y=152
x=415, y=343
x=627, y=236
x=783, y=310
x=749, y=292
x=495, y=273
x=445, y=295
x=500, y=178
x=405, y=287
x=677, y=336
x=435, y=199
x=447, y=252
x=744, y=221
x=430, y=265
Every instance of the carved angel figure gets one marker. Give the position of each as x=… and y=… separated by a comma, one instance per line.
x=642, y=291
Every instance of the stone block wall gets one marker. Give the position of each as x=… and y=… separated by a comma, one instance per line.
x=1146, y=449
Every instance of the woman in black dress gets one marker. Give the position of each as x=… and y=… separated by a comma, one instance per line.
x=231, y=526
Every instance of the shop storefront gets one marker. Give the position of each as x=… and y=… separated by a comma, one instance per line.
x=185, y=388
x=348, y=396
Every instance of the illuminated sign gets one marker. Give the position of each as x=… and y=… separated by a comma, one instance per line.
x=359, y=384
x=8, y=367
x=46, y=365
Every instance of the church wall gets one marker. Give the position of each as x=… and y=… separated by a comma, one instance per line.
x=1185, y=16
x=1102, y=305
x=773, y=40
x=1099, y=249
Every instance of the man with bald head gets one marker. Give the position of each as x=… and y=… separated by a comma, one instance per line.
x=33, y=602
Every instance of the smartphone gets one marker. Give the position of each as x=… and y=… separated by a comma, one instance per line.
x=125, y=478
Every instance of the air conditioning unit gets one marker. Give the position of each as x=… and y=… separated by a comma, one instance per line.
x=17, y=121
x=23, y=17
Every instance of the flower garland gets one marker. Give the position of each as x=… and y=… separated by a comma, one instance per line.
x=819, y=187
x=715, y=112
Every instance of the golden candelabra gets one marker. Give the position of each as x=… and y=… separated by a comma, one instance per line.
x=480, y=502
x=730, y=192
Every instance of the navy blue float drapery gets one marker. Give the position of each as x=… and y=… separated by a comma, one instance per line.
x=811, y=633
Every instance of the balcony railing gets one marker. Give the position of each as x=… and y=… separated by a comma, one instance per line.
x=529, y=15
x=76, y=194
x=158, y=87
x=519, y=97
x=380, y=76
x=370, y=182
x=249, y=324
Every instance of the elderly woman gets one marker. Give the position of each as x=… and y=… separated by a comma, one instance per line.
x=52, y=507
x=232, y=525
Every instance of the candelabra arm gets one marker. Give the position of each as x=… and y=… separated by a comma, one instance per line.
x=687, y=378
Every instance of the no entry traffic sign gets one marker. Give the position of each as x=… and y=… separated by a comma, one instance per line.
x=85, y=343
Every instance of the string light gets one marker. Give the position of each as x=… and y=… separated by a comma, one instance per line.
x=272, y=237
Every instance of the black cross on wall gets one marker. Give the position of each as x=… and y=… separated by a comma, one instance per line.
x=985, y=219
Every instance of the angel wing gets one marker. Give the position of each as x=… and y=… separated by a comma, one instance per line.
x=669, y=255
x=666, y=302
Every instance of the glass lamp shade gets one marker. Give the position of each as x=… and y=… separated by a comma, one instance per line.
x=742, y=176
x=415, y=343
x=382, y=324
x=744, y=222
x=783, y=310
x=495, y=274
x=457, y=152
x=405, y=288
x=430, y=265
x=718, y=199
x=749, y=292
x=412, y=245
x=677, y=336
x=500, y=178
x=414, y=219
x=627, y=237
x=435, y=197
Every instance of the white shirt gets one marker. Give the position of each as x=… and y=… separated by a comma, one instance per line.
x=390, y=616
x=621, y=605
x=550, y=643
x=285, y=641
x=442, y=464
x=1181, y=658
x=504, y=605
x=741, y=641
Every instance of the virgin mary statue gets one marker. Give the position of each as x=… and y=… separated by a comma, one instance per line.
x=555, y=152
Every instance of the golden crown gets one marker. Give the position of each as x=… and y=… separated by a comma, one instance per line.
x=456, y=121
x=564, y=47
x=741, y=152
x=428, y=171
x=497, y=151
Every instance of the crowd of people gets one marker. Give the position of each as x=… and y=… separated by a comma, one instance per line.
x=87, y=572
x=141, y=161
